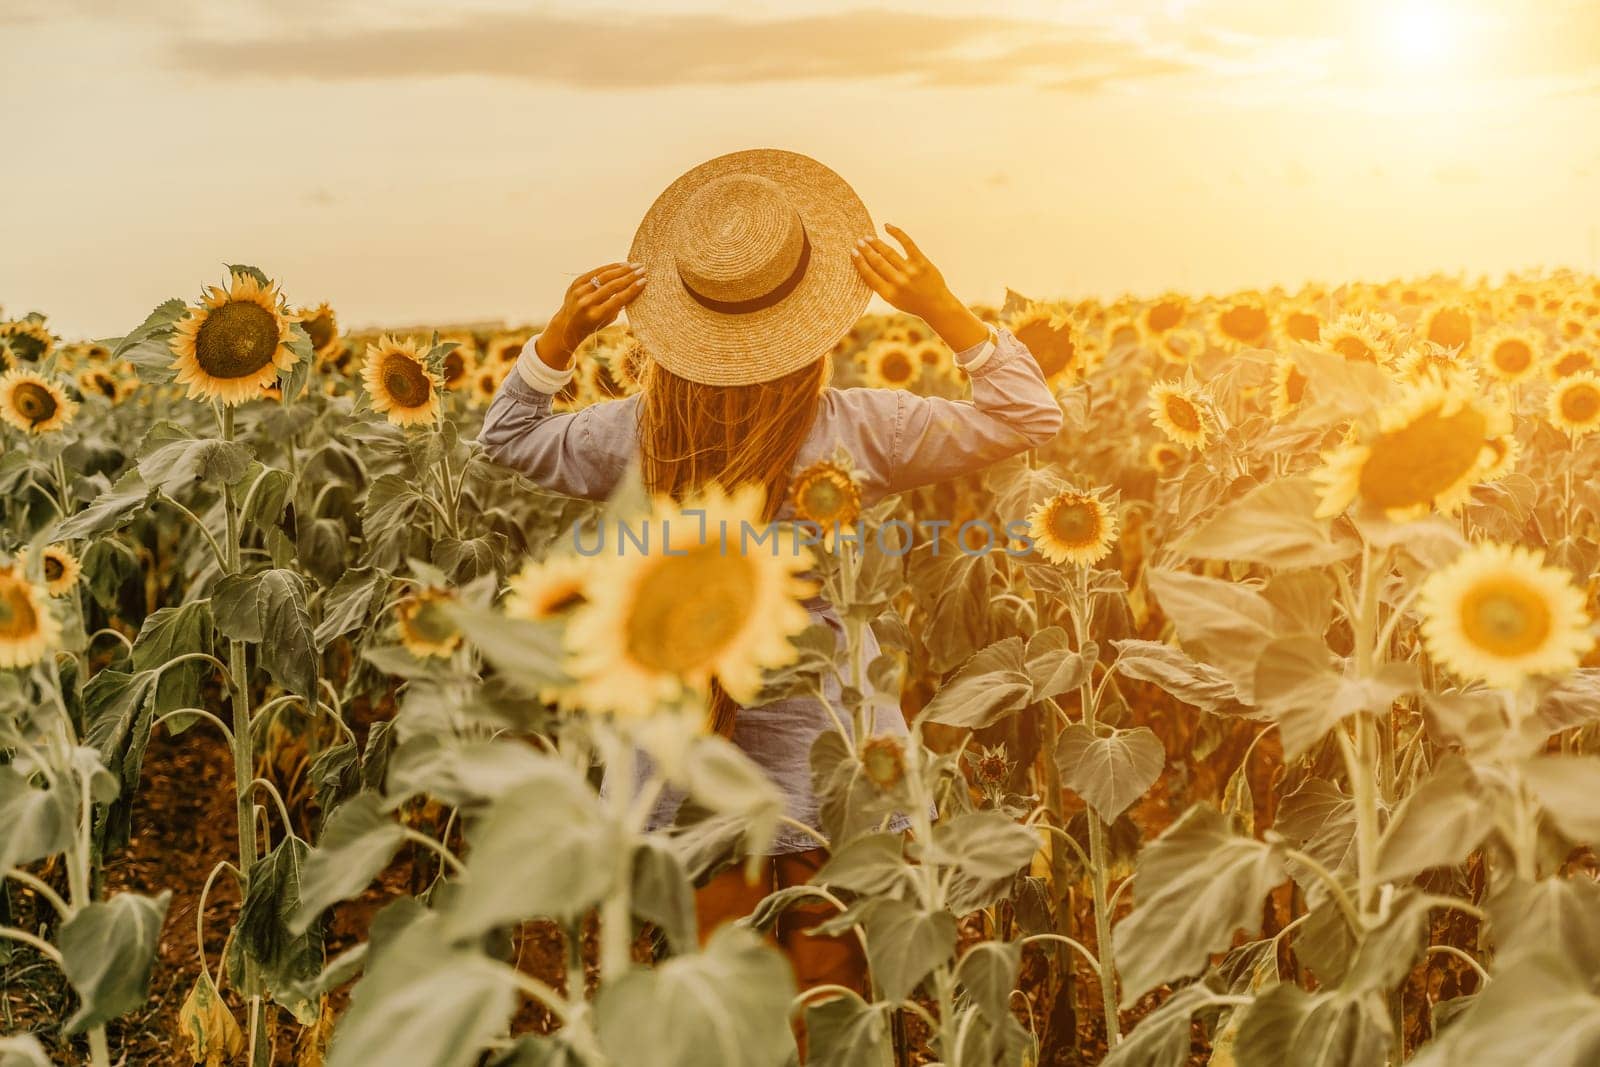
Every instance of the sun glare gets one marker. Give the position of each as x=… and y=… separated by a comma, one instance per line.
x=1419, y=32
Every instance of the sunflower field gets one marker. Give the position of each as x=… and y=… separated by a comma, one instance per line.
x=1276, y=740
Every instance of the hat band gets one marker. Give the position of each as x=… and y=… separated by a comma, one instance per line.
x=766, y=300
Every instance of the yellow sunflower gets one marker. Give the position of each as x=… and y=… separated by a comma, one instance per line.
x=1447, y=325
x=1241, y=322
x=485, y=382
x=1297, y=322
x=1166, y=312
x=1573, y=359
x=544, y=590
x=400, y=384
x=1288, y=387
x=59, y=566
x=1176, y=411
x=1164, y=457
x=1355, y=338
x=1052, y=339
x=457, y=369
x=1123, y=333
x=1504, y=451
x=826, y=494
x=697, y=606
x=234, y=342
x=27, y=340
x=1181, y=346
x=101, y=382
x=1575, y=404
x=1430, y=447
x=1072, y=527
x=1498, y=614
x=34, y=404
x=935, y=356
x=892, y=365
x=425, y=627
x=504, y=348
x=1512, y=355
x=1427, y=362
x=27, y=628
x=322, y=326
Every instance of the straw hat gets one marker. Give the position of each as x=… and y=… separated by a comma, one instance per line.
x=749, y=265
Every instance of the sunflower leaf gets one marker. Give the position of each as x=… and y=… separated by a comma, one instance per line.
x=108, y=949
x=288, y=649
x=1109, y=771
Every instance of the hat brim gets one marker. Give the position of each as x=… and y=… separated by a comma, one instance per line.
x=714, y=348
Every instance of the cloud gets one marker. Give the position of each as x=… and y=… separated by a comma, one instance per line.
x=643, y=52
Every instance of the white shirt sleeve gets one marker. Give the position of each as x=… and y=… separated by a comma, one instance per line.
x=540, y=375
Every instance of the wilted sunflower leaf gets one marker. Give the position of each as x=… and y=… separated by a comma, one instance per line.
x=1193, y=887
x=108, y=949
x=287, y=953
x=726, y=1006
x=208, y=1027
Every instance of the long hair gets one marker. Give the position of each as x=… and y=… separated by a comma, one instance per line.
x=692, y=435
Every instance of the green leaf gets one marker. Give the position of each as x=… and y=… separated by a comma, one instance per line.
x=1193, y=886
x=663, y=894
x=1309, y=691
x=846, y=1031
x=905, y=943
x=458, y=771
x=987, y=850
x=989, y=686
x=1109, y=771
x=1567, y=787
x=423, y=1000
x=350, y=602
x=286, y=956
x=1320, y=820
x=1554, y=915
x=724, y=1007
x=528, y=654
x=1161, y=1038
x=265, y=492
x=357, y=843
x=1438, y=824
x=148, y=346
x=1336, y=1029
x=173, y=460
x=1540, y=1010
x=546, y=848
x=108, y=949
x=1387, y=951
x=988, y=972
x=1176, y=673
x=1273, y=524
x=1222, y=623
x=38, y=822
x=236, y=606
x=111, y=510
x=1052, y=664
x=168, y=633
x=872, y=863
x=288, y=651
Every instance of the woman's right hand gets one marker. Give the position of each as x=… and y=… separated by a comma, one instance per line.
x=593, y=302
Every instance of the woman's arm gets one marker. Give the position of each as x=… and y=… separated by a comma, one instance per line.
x=919, y=439
x=582, y=453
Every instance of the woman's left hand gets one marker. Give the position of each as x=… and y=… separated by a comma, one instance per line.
x=911, y=283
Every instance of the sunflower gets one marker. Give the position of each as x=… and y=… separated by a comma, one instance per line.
x=544, y=590
x=1574, y=359
x=1504, y=451
x=1181, y=346
x=27, y=340
x=659, y=623
x=825, y=493
x=1355, y=338
x=1123, y=333
x=1427, y=362
x=1288, y=387
x=34, y=404
x=1052, y=339
x=1166, y=312
x=322, y=326
x=61, y=570
x=425, y=626
x=1448, y=325
x=892, y=365
x=234, y=342
x=457, y=369
x=1072, y=527
x=504, y=348
x=27, y=628
x=485, y=382
x=936, y=356
x=99, y=381
x=1575, y=404
x=883, y=761
x=1297, y=322
x=400, y=385
x=1241, y=322
x=1431, y=445
x=1176, y=411
x=1500, y=615
x=1164, y=457
x=1512, y=355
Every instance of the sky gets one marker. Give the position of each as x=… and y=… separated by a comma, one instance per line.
x=418, y=162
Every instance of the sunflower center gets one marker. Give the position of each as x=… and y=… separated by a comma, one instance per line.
x=53, y=570
x=405, y=381
x=1075, y=523
x=1294, y=386
x=1504, y=617
x=236, y=340
x=1164, y=315
x=34, y=402
x=688, y=609
x=454, y=367
x=106, y=386
x=1580, y=403
x=17, y=617
x=559, y=598
x=1451, y=328
x=1412, y=465
x=1572, y=362
x=1052, y=349
x=1244, y=322
x=822, y=499
x=1513, y=357
x=1183, y=414
x=1303, y=326
x=1355, y=350
x=431, y=622
x=320, y=330
x=896, y=367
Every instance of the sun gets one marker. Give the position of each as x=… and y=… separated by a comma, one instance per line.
x=1419, y=33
